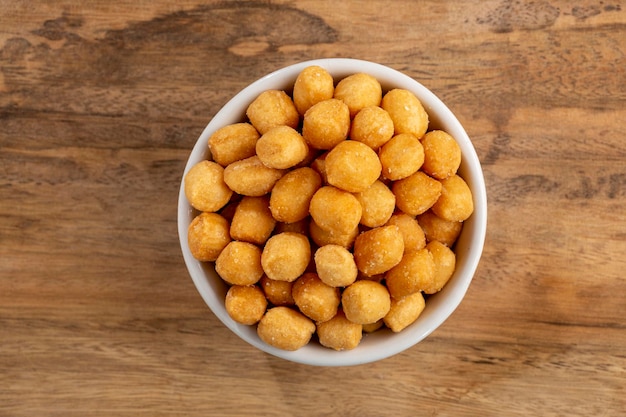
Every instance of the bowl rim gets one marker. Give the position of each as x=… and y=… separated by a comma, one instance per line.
x=435, y=313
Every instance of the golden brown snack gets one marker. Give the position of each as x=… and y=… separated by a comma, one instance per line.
x=455, y=203
x=378, y=203
x=281, y=147
x=319, y=165
x=277, y=292
x=285, y=328
x=335, y=210
x=412, y=233
x=445, y=263
x=378, y=250
x=404, y=311
x=251, y=177
x=245, y=304
x=286, y=256
x=359, y=91
x=442, y=154
x=335, y=265
x=372, y=126
x=205, y=188
x=253, y=221
x=207, y=235
x=323, y=237
x=314, y=299
x=233, y=143
x=240, y=263
x=292, y=194
x=372, y=327
x=406, y=111
x=414, y=273
x=365, y=302
x=301, y=226
x=339, y=333
x=272, y=108
x=352, y=166
x=436, y=228
x=313, y=84
x=402, y=156
x=416, y=193
x=326, y=124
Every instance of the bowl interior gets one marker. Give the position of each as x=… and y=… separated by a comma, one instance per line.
x=439, y=307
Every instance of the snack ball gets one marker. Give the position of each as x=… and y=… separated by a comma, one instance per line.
x=239, y=263
x=313, y=84
x=436, y=228
x=253, y=221
x=205, y=188
x=335, y=210
x=402, y=156
x=404, y=311
x=335, y=265
x=301, y=226
x=315, y=299
x=365, y=302
x=326, y=124
x=285, y=328
x=245, y=304
x=208, y=234
x=281, y=147
x=416, y=193
x=406, y=111
x=272, y=108
x=339, y=333
x=412, y=234
x=233, y=143
x=415, y=272
x=372, y=327
x=378, y=203
x=292, y=194
x=372, y=126
x=442, y=154
x=359, y=91
x=378, y=250
x=352, y=166
x=445, y=262
x=286, y=256
x=251, y=177
x=455, y=203
x=323, y=237
x=278, y=293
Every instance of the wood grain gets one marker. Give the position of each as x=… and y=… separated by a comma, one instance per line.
x=100, y=105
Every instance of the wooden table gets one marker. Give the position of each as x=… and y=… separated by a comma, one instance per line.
x=100, y=105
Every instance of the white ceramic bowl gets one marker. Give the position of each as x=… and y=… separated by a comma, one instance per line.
x=439, y=307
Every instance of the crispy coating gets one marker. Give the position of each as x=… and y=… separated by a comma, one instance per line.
x=285, y=328
x=404, y=311
x=442, y=154
x=372, y=126
x=281, y=147
x=207, y=235
x=378, y=250
x=378, y=203
x=205, y=188
x=323, y=237
x=339, y=333
x=278, y=293
x=272, y=108
x=414, y=273
x=245, y=304
x=412, y=233
x=286, y=256
x=365, y=302
x=292, y=194
x=326, y=124
x=352, y=166
x=445, y=263
x=313, y=84
x=455, y=203
x=251, y=177
x=335, y=210
x=406, y=111
x=335, y=265
x=252, y=221
x=416, y=193
x=441, y=230
x=233, y=143
x=402, y=156
x=359, y=91
x=240, y=263
x=315, y=299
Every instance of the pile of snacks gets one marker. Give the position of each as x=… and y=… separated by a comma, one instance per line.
x=331, y=211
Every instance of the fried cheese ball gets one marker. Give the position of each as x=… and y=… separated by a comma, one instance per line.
x=313, y=84
x=404, y=311
x=372, y=126
x=415, y=272
x=326, y=124
x=335, y=265
x=359, y=91
x=378, y=203
x=323, y=237
x=406, y=111
x=352, y=166
x=233, y=143
x=301, y=226
x=401, y=156
x=335, y=210
x=277, y=292
x=205, y=188
x=455, y=203
x=245, y=304
x=251, y=177
x=442, y=154
x=412, y=234
x=285, y=328
x=207, y=235
x=365, y=302
x=272, y=108
x=445, y=262
x=240, y=263
x=378, y=250
x=314, y=299
x=286, y=256
x=436, y=228
x=416, y=193
x=372, y=327
x=281, y=147
x=253, y=221
x=319, y=165
x=339, y=333
x=292, y=194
